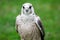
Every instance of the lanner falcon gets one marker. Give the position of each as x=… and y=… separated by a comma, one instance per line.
x=28, y=24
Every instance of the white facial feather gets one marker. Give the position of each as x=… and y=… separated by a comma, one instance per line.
x=27, y=9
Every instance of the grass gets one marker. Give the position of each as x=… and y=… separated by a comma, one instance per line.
x=48, y=10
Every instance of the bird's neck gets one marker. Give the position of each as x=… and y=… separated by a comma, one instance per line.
x=28, y=17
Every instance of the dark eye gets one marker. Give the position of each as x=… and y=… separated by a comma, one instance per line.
x=30, y=7
x=23, y=7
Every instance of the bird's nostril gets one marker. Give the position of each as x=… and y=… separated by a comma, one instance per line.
x=26, y=10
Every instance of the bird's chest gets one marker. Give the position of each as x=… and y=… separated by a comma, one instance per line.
x=25, y=20
x=26, y=25
x=27, y=29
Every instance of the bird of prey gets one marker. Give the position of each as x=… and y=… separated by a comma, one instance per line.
x=28, y=24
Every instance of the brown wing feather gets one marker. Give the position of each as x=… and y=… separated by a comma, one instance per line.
x=40, y=28
x=17, y=20
x=17, y=28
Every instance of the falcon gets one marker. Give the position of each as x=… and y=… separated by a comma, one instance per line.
x=28, y=24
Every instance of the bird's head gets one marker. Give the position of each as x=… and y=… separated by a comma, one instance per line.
x=27, y=9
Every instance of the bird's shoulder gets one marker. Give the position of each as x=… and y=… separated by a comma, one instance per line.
x=37, y=18
x=18, y=17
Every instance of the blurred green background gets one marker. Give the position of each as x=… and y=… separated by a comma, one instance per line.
x=48, y=10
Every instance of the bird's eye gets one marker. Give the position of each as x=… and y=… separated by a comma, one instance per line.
x=23, y=7
x=30, y=7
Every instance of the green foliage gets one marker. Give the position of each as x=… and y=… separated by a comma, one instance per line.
x=48, y=10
